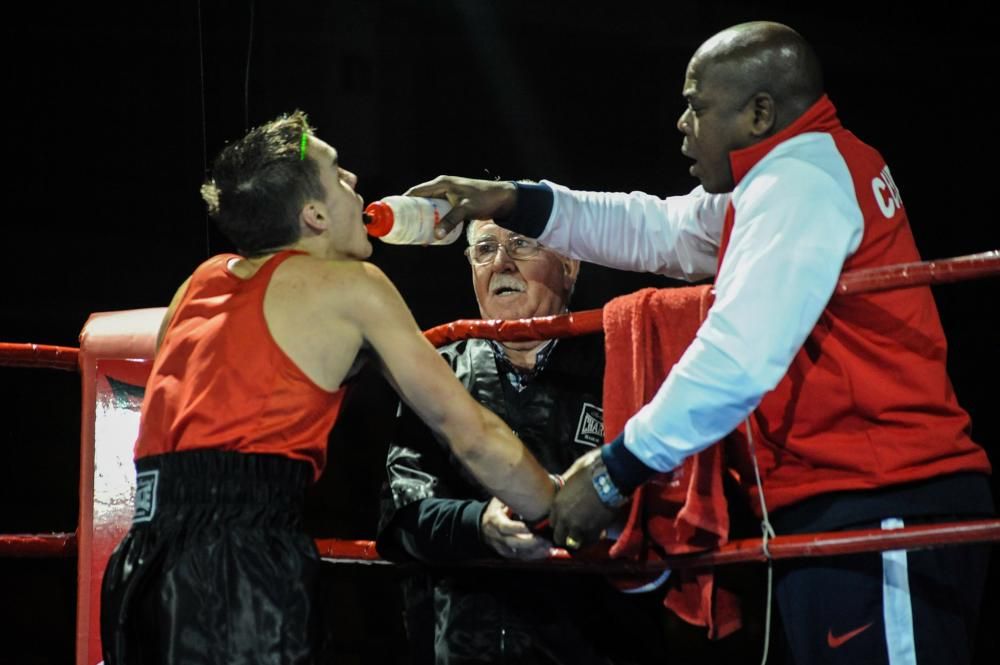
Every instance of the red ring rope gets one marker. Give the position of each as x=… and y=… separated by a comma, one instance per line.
x=595, y=559
x=38, y=545
x=39, y=355
x=749, y=550
x=975, y=266
x=920, y=273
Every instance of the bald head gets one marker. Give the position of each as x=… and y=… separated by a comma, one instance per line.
x=742, y=86
x=764, y=57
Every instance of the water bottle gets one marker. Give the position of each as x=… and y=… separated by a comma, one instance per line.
x=409, y=220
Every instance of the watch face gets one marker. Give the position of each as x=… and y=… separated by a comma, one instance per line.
x=606, y=490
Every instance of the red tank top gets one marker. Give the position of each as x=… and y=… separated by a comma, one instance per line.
x=220, y=381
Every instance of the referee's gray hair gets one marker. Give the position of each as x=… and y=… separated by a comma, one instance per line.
x=468, y=228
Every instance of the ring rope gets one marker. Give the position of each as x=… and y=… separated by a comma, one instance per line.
x=39, y=355
x=38, y=545
x=595, y=559
x=904, y=275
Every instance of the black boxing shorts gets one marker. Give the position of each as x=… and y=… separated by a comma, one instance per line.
x=216, y=567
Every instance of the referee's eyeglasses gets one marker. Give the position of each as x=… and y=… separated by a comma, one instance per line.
x=517, y=247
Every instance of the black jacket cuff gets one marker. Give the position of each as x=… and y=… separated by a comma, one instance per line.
x=626, y=470
x=531, y=214
x=439, y=530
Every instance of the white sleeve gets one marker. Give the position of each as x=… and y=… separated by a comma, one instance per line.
x=677, y=236
x=796, y=224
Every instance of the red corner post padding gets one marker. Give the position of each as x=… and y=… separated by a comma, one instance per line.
x=116, y=351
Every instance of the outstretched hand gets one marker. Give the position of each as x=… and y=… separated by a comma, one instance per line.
x=578, y=515
x=508, y=537
x=470, y=199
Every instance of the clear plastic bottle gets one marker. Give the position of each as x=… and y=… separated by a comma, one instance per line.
x=409, y=220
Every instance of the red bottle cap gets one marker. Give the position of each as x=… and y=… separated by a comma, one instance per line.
x=382, y=218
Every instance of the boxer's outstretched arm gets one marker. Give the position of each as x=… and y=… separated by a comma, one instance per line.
x=481, y=440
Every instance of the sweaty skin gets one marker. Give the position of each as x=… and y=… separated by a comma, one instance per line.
x=327, y=306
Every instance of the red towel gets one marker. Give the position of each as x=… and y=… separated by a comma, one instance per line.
x=684, y=511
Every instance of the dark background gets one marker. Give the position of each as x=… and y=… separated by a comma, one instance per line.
x=110, y=114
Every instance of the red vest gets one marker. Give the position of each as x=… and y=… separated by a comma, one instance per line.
x=867, y=401
x=220, y=381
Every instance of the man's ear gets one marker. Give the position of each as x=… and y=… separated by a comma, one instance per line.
x=313, y=216
x=571, y=270
x=761, y=105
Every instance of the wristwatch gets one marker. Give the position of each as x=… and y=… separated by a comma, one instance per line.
x=606, y=489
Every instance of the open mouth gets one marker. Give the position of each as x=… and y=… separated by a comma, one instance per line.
x=694, y=165
x=687, y=152
x=505, y=285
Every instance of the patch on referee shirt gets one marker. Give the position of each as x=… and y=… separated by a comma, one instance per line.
x=145, y=495
x=590, y=428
